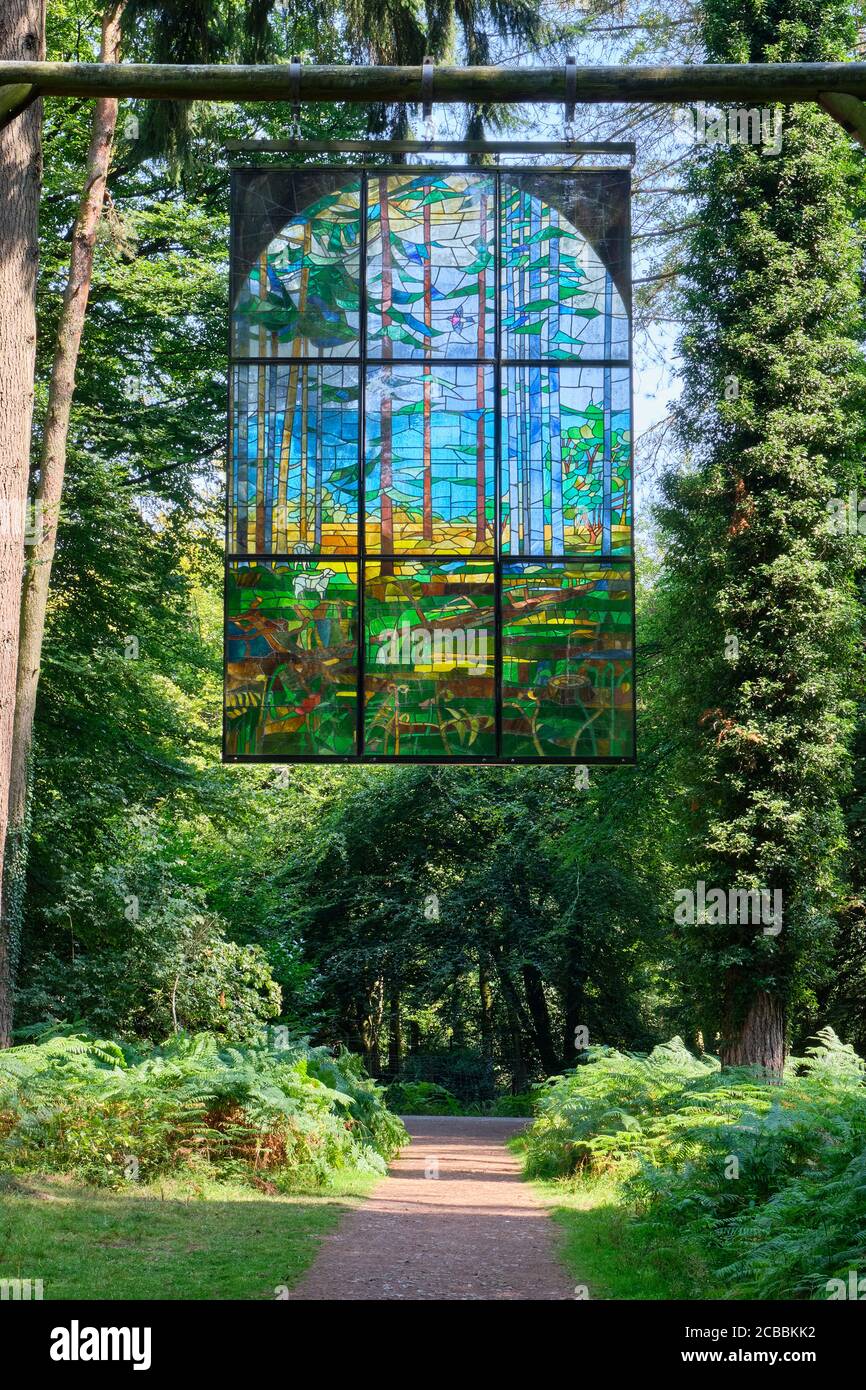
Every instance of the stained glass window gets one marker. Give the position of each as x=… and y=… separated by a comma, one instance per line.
x=567, y=682
x=291, y=658
x=429, y=460
x=294, y=463
x=429, y=523
x=430, y=266
x=566, y=461
x=429, y=687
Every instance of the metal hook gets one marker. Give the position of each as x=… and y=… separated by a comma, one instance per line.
x=295, y=89
x=570, y=95
x=427, y=97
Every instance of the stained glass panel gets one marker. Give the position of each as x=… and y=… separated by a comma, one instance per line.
x=564, y=267
x=429, y=471
x=291, y=670
x=430, y=266
x=297, y=268
x=429, y=658
x=567, y=681
x=294, y=488
x=566, y=461
x=429, y=460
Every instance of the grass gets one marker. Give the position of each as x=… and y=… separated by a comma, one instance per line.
x=602, y=1250
x=176, y=1239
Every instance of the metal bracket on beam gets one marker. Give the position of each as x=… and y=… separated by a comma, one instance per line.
x=570, y=95
x=849, y=112
x=427, y=98
x=295, y=78
x=14, y=99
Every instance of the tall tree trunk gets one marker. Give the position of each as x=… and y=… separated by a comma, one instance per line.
x=574, y=996
x=52, y=463
x=458, y=1029
x=756, y=1038
x=517, y=1024
x=485, y=992
x=534, y=986
x=395, y=1033
x=22, y=37
x=518, y=1065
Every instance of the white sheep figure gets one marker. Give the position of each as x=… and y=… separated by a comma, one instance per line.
x=312, y=583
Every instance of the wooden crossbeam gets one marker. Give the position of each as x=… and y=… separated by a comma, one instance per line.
x=840, y=88
x=753, y=84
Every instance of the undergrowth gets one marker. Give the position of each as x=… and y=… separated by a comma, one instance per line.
x=761, y=1185
x=109, y=1113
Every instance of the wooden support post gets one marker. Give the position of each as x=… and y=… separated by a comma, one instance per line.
x=15, y=97
x=849, y=111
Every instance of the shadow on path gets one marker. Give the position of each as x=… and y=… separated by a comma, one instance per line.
x=452, y=1220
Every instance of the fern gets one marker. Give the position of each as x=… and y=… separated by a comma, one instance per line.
x=87, y=1106
x=786, y=1217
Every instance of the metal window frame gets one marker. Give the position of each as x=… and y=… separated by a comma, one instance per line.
x=362, y=363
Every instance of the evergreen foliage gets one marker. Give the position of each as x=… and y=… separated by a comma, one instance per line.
x=761, y=626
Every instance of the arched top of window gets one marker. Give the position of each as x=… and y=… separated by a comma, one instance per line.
x=438, y=249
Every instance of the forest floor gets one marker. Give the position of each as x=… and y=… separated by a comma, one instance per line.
x=452, y=1220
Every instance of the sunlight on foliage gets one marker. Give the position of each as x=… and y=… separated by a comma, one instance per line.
x=112, y=1113
x=721, y=1171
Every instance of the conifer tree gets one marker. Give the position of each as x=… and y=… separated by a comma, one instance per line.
x=758, y=593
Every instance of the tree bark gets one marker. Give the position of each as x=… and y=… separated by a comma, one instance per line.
x=52, y=463
x=395, y=1034
x=574, y=996
x=517, y=1022
x=22, y=37
x=534, y=986
x=518, y=1064
x=757, y=1037
x=485, y=991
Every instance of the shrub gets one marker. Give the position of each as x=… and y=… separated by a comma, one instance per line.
x=466, y=1074
x=615, y=1107
x=421, y=1098
x=107, y=1113
x=522, y=1105
x=790, y=1214
x=765, y=1183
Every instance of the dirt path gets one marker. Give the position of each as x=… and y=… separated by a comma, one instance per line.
x=475, y=1231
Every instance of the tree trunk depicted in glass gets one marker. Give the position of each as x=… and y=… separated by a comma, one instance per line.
x=427, y=252
x=262, y=401
x=386, y=510
x=481, y=528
